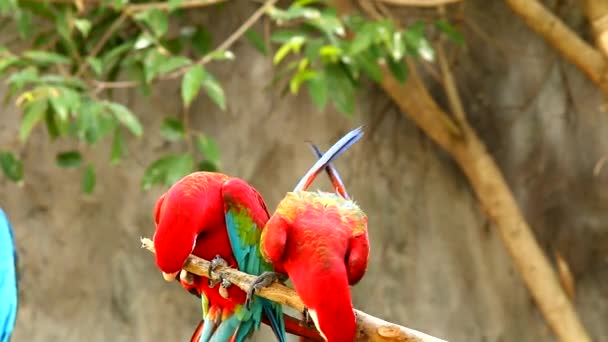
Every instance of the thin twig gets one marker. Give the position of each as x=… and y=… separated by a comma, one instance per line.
x=224, y=46
x=164, y=6
x=369, y=328
x=420, y=3
x=230, y=40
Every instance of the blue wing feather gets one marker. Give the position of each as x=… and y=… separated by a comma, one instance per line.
x=8, y=279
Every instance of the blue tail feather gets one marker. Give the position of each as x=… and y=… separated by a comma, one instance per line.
x=332, y=172
x=338, y=148
x=274, y=312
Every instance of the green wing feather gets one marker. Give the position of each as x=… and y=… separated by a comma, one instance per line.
x=245, y=214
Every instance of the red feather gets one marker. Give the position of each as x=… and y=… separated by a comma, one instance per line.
x=321, y=241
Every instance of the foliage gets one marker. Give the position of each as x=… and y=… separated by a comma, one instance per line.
x=66, y=78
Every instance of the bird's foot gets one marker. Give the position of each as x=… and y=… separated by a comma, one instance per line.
x=262, y=281
x=213, y=265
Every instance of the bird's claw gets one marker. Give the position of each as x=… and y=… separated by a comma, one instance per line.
x=220, y=280
x=262, y=281
x=215, y=263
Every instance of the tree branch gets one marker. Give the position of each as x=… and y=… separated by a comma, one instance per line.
x=597, y=12
x=420, y=3
x=568, y=43
x=492, y=191
x=369, y=328
x=497, y=201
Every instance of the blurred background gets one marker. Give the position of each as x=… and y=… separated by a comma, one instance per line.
x=437, y=263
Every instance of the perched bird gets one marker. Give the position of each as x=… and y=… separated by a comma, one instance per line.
x=190, y=218
x=8, y=279
x=214, y=216
x=320, y=239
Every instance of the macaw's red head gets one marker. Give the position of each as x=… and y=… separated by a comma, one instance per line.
x=176, y=232
x=191, y=205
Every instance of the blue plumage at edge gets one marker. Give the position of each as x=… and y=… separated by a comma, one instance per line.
x=338, y=148
x=8, y=279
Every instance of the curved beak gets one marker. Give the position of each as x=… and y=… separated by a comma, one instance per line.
x=170, y=276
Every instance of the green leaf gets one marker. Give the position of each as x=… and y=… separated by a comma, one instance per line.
x=96, y=65
x=156, y=63
x=398, y=69
x=191, y=84
x=64, y=101
x=364, y=38
x=294, y=44
x=301, y=76
x=125, y=117
x=214, y=90
x=221, y=55
x=257, y=41
x=201, y=41
x=156, y=20
x=172, y=129
x=69, y=159
x=7, y=62
x=143, y=41
x=19, y=79
x=11, y=166
x=317, y=88
x=44, y=57
x=341, y=89
x=283, y=36
x=450, y=31
x=84, y=26
x=34, y=112
x=174, y=4
x=208, y=148
x=167, y=170
x=367, y=61
x=89, y=179
x=206, y=165
x=173, y=63
x=24, y=23
x=118, y=147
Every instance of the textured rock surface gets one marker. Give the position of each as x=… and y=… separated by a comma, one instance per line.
x=436, y=263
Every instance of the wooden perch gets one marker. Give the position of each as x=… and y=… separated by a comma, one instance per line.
x=369, y=328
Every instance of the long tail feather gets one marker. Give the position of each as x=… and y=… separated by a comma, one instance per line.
x=273, y=312
x=198, y=332
x=332, y=172
x=338, y=148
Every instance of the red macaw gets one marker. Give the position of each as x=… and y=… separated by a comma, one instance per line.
x=320, y=239
x=215, y=216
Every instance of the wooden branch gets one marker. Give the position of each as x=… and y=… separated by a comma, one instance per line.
x=566, y=42
x=496, y=199
x=597, y=12
x=369, y=328
x=494, y=195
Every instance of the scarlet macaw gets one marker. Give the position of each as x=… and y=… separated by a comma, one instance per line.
x=8, y=279
x=215, y=216
x=320, y=240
